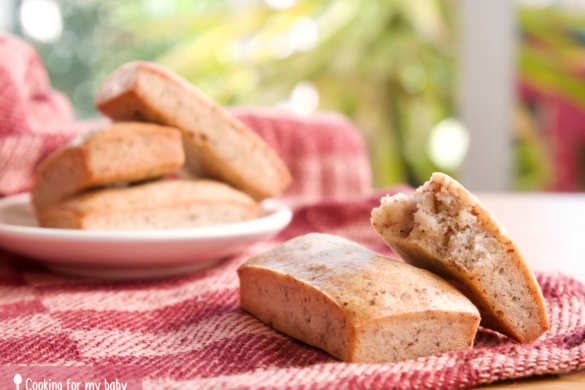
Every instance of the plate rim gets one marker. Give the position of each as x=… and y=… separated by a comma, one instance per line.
x=279, y=216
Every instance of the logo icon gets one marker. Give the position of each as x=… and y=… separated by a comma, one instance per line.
x=17, y=381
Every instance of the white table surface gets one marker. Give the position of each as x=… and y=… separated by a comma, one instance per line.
x=548, y=228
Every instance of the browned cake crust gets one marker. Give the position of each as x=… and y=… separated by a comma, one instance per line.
x=353, y=303
x=444, y=228
x=216, y=143
x=163, y=204
x=123, y=152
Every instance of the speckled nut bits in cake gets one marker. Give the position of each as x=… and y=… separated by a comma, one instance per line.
x=443, y=228
x=162, y=204
x=123, y=152
x=355, y=304
x=216, y=143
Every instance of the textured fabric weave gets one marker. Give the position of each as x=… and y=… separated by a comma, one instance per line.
x=189, y=332
x=34, y=119
x=325, y=154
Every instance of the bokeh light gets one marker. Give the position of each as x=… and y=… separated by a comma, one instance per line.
x=280, y=4
x=303, y=100
x=303, y=34
x=41, y=20
x=448, y=144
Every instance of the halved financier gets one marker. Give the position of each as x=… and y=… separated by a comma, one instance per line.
x=445, y=229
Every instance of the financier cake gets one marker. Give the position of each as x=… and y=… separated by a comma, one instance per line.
x=161, y=204
x=216, y=143
x=353, y=303
x=122, y=152
x=445, y=229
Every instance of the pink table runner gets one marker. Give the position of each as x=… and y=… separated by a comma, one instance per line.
x=188, y=332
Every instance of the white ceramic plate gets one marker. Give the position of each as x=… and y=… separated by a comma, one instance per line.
x=132, y=254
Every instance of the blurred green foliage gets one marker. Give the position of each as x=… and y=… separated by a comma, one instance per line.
x=551, y=60
x=387, y=64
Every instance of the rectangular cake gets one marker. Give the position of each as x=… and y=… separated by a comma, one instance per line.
x=216, y=143
x=122, y=152
x=162, y=204
x=338, y=296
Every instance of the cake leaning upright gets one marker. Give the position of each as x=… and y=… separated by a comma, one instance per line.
x=444, y=228
x=216, y=144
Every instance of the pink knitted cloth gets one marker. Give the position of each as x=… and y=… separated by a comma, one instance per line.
x=189, y=332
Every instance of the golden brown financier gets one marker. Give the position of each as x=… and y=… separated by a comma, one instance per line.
x=355, y=304
x=123, y=152
x=444, y=228
x=163, y=204
x=216, y=143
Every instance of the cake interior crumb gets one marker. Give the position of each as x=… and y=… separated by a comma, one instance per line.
x=451, y=230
